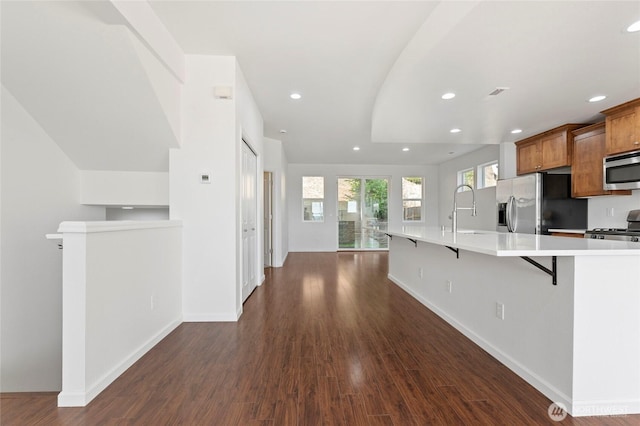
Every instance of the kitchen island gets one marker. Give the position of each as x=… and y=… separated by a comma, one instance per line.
x=563, y=313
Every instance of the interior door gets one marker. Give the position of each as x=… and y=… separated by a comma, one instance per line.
x=249, y=213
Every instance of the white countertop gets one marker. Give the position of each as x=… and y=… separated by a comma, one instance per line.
x=510, y=244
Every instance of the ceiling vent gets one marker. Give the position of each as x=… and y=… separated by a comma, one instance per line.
x=498, y=91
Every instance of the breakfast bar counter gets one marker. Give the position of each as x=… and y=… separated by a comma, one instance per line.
x=567, y=320
x=511, y=244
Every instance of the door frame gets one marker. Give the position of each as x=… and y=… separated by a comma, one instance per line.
x=254, y=270
x=337, y=211
x=268, y=218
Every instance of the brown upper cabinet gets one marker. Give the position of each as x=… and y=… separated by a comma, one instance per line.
x=623, y=127
x=586, y=172
x=548, y=150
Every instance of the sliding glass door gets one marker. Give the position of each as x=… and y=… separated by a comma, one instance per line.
x=362, y=213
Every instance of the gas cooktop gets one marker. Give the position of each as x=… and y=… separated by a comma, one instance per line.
x=631, y=233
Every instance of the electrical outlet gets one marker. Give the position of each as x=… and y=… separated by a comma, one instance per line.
x=449, y=286
x=610, y=211
x=420, y=272
x=500, y=310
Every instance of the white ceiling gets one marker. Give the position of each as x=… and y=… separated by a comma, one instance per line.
x=371, y=73
x=375, y=71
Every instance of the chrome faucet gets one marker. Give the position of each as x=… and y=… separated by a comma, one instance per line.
x=454, y=214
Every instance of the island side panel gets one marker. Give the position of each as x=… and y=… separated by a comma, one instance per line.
x=607, y=335
x=535, y=337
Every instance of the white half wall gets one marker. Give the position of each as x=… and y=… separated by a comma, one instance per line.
x=577, y=342
x=485, y=197
x=116, y=188
x=121, y=296
x=323, y=236
x=40, y=188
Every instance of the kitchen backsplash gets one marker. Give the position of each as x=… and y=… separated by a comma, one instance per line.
x=611, y=211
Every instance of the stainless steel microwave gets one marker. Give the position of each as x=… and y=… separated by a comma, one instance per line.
x=621, y=171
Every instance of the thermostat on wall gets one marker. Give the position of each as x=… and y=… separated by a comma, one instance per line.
x=205, y=177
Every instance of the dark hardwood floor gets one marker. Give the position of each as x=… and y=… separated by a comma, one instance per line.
x=326, y=340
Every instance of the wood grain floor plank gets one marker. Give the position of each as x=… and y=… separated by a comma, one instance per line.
x=353, y=410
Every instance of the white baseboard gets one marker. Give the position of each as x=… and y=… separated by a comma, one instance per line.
x=81, y=399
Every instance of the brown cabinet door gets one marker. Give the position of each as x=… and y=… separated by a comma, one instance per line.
x=528, y=155
x=555, y=151
x=623, y=131
x=589, y=147
x=586, y=172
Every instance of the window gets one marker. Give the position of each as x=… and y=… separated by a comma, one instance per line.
x=313, y=198
x=466, y=176
x=411, y=199
x=487, y=174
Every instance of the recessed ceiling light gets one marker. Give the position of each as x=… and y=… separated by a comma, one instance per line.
x=451, y=152
x=455, y=130
x=449, y=95
x=516, y=131
x=356, y=148
x=295, y=96
x=597, y=98
x=633, y=28
x=283, y=130
x=127, y=208
x=405, y=149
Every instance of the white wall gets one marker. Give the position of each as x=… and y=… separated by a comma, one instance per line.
x=275, y=161
x=119, y=188
x=508, y=160
x=323, y=236
x=122, y=295
x=249, y=127
x=40, y=188
x=117, y=213
x=211, y=142
x=485, y=198
x=621, y=204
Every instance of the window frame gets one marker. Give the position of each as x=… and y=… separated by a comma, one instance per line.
x=421, y=199
x=312, y=201
x=461, y=180
x=480, y=174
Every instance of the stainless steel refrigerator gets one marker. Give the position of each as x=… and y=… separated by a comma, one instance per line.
x=535, y=203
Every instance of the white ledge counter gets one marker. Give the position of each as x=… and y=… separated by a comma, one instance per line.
x=577, y=342
x=510, y=244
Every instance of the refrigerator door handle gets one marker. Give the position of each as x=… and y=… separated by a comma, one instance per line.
x=510, y=214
